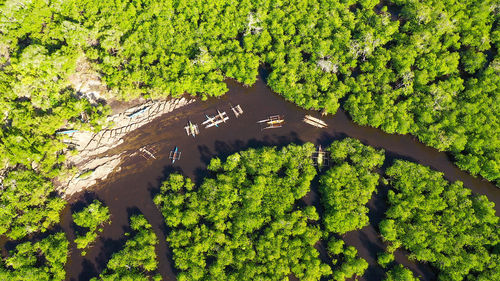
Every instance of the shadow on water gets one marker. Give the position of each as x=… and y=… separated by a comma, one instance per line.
x=135, y=185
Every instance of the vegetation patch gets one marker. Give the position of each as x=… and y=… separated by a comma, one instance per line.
x=441, y=223
x=348, y=185
x=28, y=204
x=137, y=259
x=92, y=218
x=243, y=223
x=44, y=260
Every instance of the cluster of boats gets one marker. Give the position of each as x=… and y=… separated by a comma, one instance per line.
x=271, y=122
x=192, y=129
x=212, y=121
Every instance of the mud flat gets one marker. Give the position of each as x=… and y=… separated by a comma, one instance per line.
x=94, y=160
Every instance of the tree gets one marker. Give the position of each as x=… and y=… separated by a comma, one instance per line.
x=347, y=264
x=137, y=259
x=400, y=273
x=92, y=217
x=42, y=260
x=348, y=185
x=440, y=222
x=242, y=222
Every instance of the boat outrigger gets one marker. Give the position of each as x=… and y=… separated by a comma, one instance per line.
x=192, y=129
x=237, y=110
x=275, y=121
x=175, y=155
x=315, y=121
x=209, y=121
x=222, y=116
x=216, y=120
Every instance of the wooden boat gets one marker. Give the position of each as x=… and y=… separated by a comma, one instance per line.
x=237, y=110
x=138, y=112
x=175, y=155
x=275, y=121
x=146, y=152
x=319, y=159
x=315, y=121
x=192, y=129
x=272, y=119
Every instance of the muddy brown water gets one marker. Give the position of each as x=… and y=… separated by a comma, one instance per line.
x=131, y=189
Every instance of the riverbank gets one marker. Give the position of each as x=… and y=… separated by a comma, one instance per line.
x=95, y=161
x=131, y=189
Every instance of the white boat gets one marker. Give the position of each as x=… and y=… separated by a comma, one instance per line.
x=315, y=121
x=222, y=116
x=216, y=120
x=209, y=120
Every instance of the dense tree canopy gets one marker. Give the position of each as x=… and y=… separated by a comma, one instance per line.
x=429, y=68
x=43, y=260
x=400, y=273
x=36, y=101
x=349, y=184
x=137, y=260
x=433, y=80
x=442, y=223
x=345, y=260
x=243, y=223
x=92, y=219
x=27, y=204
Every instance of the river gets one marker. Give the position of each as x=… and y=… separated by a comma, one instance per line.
x=131, y=189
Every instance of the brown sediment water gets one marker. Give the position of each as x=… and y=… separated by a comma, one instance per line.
x=132, y=188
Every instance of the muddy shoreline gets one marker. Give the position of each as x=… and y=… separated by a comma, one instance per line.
x=132, y=188
x=95, y=159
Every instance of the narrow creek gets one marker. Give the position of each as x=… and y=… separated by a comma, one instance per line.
x=132, y=188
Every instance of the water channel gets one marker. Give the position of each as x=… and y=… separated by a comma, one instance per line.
x=131, y=189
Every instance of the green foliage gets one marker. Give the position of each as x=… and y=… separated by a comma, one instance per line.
x=137, y=259
x=400, y=273
x=43, y=260
x=429, y=68
x=92, y=217
x=441, y=223
x=385, y=259
x=164, y=48
x=35, y=102
x=432, y=79
x=349, y=184
x=432, y=72
x=347, y=264
x=27, y=204
x=243, y=223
